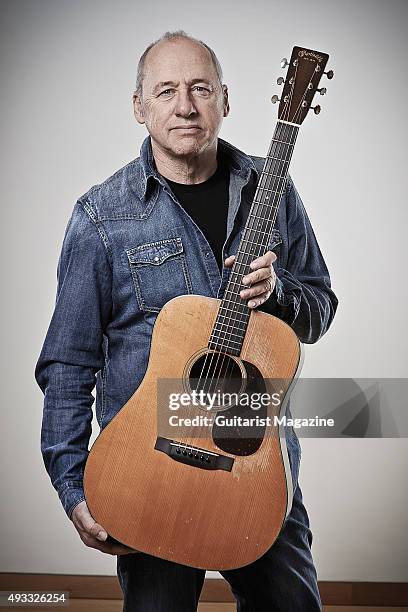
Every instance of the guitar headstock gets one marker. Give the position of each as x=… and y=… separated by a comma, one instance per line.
x=305, y=70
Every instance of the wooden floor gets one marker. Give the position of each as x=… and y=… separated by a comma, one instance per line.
x=110, y=605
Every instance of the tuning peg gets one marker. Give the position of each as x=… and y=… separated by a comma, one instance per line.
x=329, y=74
x=280, y=80
x=284, y=62
x=275, y=99
x=322, y=91
x=316, y=109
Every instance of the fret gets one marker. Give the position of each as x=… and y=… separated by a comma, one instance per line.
x=268, y=189
x=227, y=290
x=286, y=161
x=239, y=323
x=231, y=318
x=260, y=189
x=254, y=229
x=273, y=206
x=235, y=294
x=266, y=172
x=279, y=176
x=238, y=284
x=225, y=349
x=296, y=125
x=275, y=179
x=225, y=342
x=230, y=314
x=226, y=336
x=257, y=244
x=231, y=333
x=270, y=204
x=235, y=341
x=292, y=144
x=259, y=217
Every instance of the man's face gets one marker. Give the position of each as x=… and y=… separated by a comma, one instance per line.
x=182, y=101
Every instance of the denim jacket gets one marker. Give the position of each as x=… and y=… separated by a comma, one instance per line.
x=128, y=248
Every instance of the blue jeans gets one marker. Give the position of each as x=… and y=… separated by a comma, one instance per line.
x=282, y=580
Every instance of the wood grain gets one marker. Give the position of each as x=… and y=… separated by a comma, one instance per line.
x=211, y=519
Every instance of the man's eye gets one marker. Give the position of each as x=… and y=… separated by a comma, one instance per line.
x=166, y=92
x=204, y=91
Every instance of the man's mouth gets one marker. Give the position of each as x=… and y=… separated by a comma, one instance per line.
x=187, y=128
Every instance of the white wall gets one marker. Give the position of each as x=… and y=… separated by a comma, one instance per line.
x=68, y=69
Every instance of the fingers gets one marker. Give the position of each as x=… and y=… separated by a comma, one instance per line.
x=260, y=299
x=83, y=521
x=262, y=266
x=229, y=261
x=105, y=547
x=93, y=534
x=261, y=281
x=260, y=262
x=263, y=261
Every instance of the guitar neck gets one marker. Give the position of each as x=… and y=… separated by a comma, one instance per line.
x=233, y=315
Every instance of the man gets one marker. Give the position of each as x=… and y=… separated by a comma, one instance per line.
x=160, y=227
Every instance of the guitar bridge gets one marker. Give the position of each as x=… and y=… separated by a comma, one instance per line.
x=193, y=455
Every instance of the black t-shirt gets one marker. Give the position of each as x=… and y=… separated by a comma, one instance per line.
x=207, y=205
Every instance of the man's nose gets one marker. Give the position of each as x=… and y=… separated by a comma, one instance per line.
x=185, y=104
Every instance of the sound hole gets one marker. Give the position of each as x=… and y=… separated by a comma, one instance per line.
x=218, y=378
x=237, y=439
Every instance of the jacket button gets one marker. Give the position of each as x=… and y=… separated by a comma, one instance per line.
x=207, y=255
x=156, y=258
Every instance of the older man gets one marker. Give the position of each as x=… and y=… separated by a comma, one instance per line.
x=189, y=192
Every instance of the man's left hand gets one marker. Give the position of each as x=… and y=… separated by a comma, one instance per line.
x=261, y=281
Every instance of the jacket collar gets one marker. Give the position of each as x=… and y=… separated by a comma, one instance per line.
x=239, y=163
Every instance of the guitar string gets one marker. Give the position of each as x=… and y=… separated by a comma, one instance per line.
x=290, y=147
x=270, y=160
x=259, y=219
x=282, y=132
x=285, y=161
x=274, y=151
x=260, y=208
x=256, y=226
x=276, y=146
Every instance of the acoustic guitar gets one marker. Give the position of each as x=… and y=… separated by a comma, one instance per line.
x=191, y=469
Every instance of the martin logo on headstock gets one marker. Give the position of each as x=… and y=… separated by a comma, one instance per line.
x=310, y=55
x=305, y=69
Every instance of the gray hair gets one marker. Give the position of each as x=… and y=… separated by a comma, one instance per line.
x=173, y=36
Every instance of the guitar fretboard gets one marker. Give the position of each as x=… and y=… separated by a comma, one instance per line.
x=230, y=326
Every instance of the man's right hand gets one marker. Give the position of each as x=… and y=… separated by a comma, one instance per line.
x=94, y=535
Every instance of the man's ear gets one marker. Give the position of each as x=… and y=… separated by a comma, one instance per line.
x=138, y=108
x=226, y=101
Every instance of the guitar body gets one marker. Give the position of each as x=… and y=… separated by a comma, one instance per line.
x=156, y=503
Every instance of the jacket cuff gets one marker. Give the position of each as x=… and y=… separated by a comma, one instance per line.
x=284, y=306
x=71, y=494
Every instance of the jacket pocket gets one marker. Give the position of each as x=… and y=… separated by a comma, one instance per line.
x=159, y=272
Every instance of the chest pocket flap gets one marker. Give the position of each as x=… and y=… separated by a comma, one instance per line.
x=155, y=253
x=159, y=272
